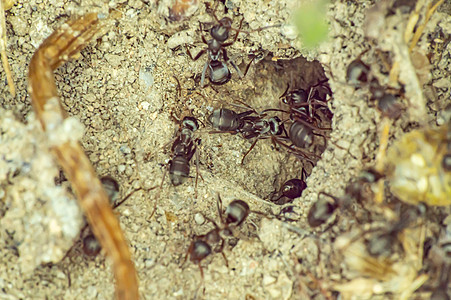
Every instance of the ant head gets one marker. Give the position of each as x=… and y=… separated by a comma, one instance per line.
x=226, y=22
x=293, y=188
x=321, y=211
x=111, y=188
x=236, y=212
x=321, y=92
x=296, y=98
x=275, y=125
x=221, y=32
x=190, y=123
x=446, y=162
x=91, y=246
x=382, y=245
x=357, y=72
x=200, y=250
x=370, y=176
x=389, y=106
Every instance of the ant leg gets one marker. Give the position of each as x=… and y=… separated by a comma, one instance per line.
x=318, y=102
x=219, y=207
x=275, y=109
x=250, y=149
x=299, y=153
x=302, y=115
x=213, y=12
x=221, y=249
x=228, y=60
x=128, y=196
x=236, y=68
x=197, y=169
x=198, y=55
x=190, y=249
x=248, y=65
x=286, y=92
x=201, y=271
x=225, y=259
x=312, y=126
x=236, y=35
x=250, y=109
x=380, y=158
x=264, y=27
x=213, y=222
x=179, y=87
x=275, y=196
x=303, y=174
x=197, y=175
x=324, y=138
x=202, y=79
x=222, y=131
x=204, y=40
x=159, y=191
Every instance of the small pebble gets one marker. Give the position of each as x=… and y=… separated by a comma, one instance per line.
x=199, y=218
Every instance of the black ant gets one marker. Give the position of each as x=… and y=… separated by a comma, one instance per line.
x=90, y=245
x=383, y=244
x=301, y=135
x=227, y=120
x=184, y=146
x=441, y=291
x=219, y=73
x=290, y=190
x=251, y=124
x=213, y=241
x=357, y=190
x=303, y=113
x=305, y=104
x=359, y=74
x=183, y=150
x=248, y=124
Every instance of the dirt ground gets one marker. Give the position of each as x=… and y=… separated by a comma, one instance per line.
x=122, y=88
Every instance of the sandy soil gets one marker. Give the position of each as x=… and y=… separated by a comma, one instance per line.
x=122, y=89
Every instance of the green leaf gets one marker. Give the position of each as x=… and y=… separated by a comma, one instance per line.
x=310, y=20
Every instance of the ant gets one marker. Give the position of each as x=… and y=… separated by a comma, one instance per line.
x=305, y=104
x=251, y=124
x=383, y=244
x=248, y=124
x=301, y=135
x=323, y=208
x=219, y=73
x=183, y=150
x=90, y=245
x=290, y=190
x=213, y=241
x=359, y=74
x=304, y=126
x=441, y=291
x=227, y=120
